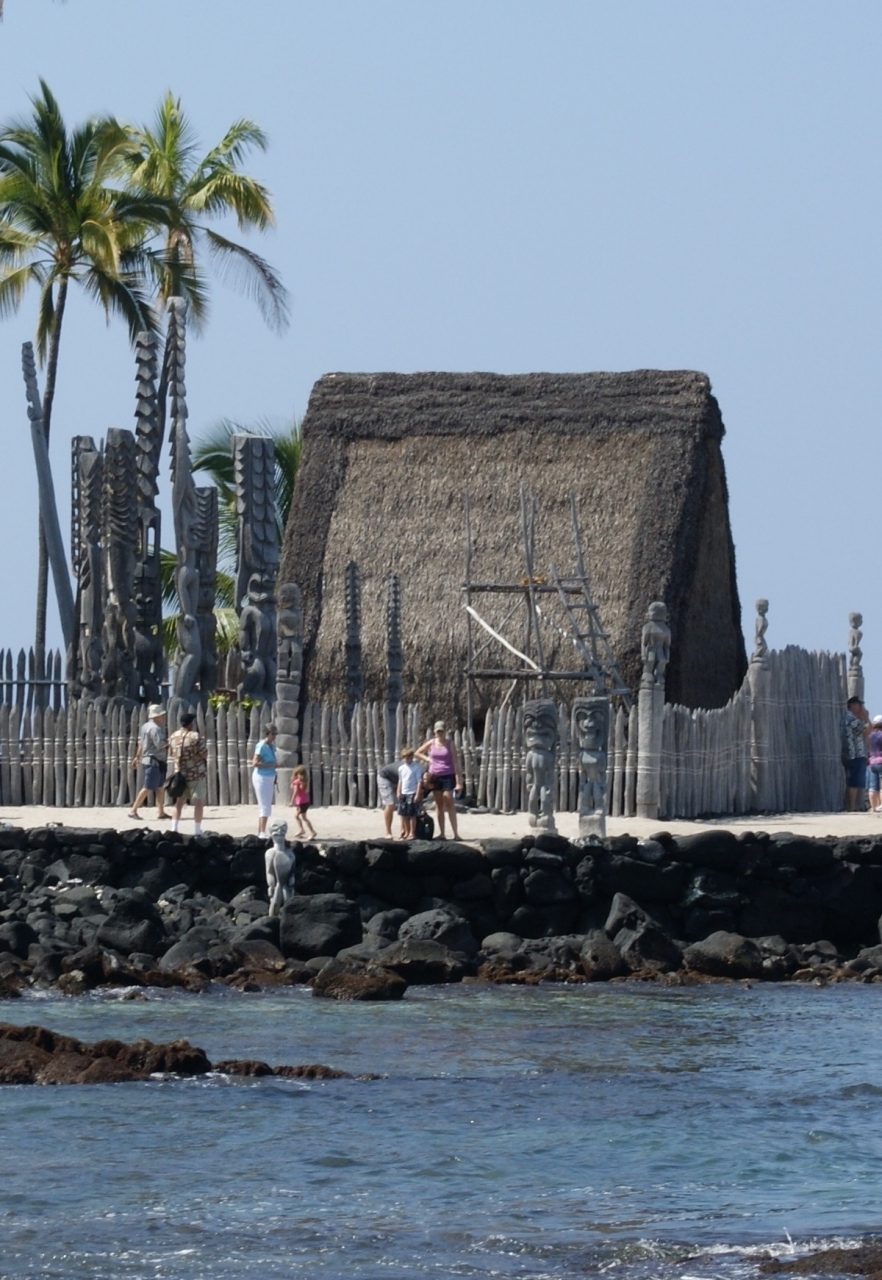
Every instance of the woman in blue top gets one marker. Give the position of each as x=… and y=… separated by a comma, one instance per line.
x=263, y=776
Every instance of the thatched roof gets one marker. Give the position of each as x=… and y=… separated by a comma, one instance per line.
x=387, y=458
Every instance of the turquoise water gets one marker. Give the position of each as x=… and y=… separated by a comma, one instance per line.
x=621, y=1130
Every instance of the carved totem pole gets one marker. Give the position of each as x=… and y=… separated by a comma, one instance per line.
x=149, y=655
x=394, y=659
x=759, y=679
x=186, y=511
x=656, y=651
x=206, y=567
x=855, y=653
x=254, y=460
x=87, y=487
x=354, y=676
x=119, y=678
x=590, y=733
x=288, y=675
x=541, y=733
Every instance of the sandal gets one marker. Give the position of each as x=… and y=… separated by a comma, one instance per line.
x=160, y=816
x=134, y=815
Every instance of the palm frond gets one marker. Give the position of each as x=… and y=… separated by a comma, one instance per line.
x=13, y=284
x=253, y=276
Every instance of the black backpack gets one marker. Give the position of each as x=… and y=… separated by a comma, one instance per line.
x=425, y=827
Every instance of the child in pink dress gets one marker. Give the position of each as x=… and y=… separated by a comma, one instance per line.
x=300, y=800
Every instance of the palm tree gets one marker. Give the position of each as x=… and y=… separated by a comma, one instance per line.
x=213, y=455
x=62, y=219
x=163, y=161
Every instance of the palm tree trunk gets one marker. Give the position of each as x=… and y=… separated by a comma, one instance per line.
x=42, y=555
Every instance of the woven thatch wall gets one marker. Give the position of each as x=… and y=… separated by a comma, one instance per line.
x=387, y=458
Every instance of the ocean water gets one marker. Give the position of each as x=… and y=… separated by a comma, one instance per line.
x=627, y=1131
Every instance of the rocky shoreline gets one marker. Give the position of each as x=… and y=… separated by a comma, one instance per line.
x=81, y=909
x=36, y=1055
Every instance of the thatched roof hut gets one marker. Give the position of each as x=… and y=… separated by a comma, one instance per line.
x=388, y=457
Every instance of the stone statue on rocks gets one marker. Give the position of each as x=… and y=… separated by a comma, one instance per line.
x=656, y=645
x=289, y=670
x=590, y=733
x=541, y=733
x=280, y=869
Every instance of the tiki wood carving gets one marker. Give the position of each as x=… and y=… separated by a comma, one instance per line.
x=288, y=674
x=119, y=536
x=206, y=566
x=541, y=732
x=258, y=562
x=354, y=675
x=590, y=734
x=149, y=656
x=84, y=660
x=186, y=511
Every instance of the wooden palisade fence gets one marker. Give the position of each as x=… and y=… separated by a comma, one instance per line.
x=774, y=747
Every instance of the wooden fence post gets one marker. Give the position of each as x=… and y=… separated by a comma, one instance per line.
x=759, y=679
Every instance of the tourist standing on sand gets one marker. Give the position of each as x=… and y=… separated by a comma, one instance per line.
x=443, y=777
x=263, y=776
x=152, y=753
x=409, y=792
x=874, y=766
x=187, y=754
x=855, y=732
x=387, y=781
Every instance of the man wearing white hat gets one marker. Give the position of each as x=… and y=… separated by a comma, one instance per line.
x=152, y=753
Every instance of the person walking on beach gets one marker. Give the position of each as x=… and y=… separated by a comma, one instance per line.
x=387, y=781
x=152, y=753
x=874, y=765
x=410, y=778
x=300, y=800
x=263, y=776
x=443, y=777
x=187, y=755
x=855, y=732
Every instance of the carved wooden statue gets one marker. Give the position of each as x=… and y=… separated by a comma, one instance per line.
x=855, y=654
x=354, y=675
x=590, y=733
x=206, y=567
x=394, y=659
x=149, y=655
x=289, y=670
x=281, y=862
x=119, y=537
x=258, y=562
x=84, y=666
x=656, y=646
x=186, y=510
x=761, y=626
x=540, y=739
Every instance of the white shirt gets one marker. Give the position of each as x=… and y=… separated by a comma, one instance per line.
x=409, y=778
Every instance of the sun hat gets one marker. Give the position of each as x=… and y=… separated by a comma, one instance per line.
x=155, y=710
x=877, y=719
x=439, y=724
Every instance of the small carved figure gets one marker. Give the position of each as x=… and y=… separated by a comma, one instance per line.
x=540, y=740
x=656, y=646
x=591, y=734
x=257, y=641
x=761, y=626
x=280, y=868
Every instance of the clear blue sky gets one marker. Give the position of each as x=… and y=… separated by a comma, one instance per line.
x=500, y=185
